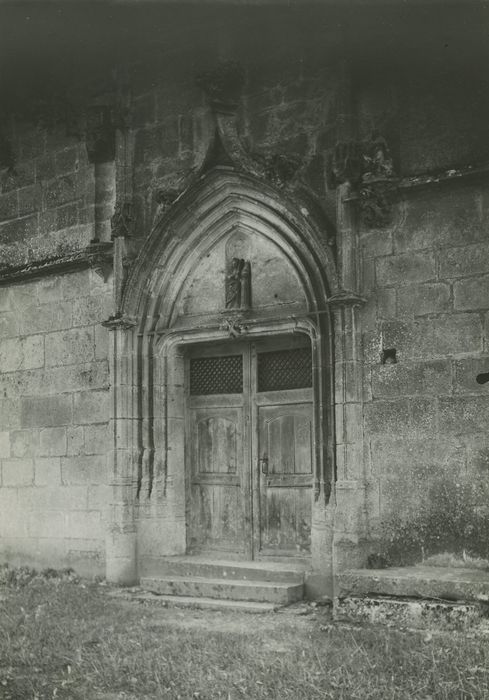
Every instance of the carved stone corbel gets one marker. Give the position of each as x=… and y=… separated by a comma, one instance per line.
x=99, y=257
x=368, y=169
x=234, y=327
x=119, y=322
x=123, y=220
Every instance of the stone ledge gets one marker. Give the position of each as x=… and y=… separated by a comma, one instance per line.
x=431, y=583
x=97, y=256
x=413, y=614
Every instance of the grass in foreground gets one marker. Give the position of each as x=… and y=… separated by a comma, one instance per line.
x=68, y=640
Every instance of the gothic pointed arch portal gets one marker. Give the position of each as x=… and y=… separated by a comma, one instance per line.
x=234, y=269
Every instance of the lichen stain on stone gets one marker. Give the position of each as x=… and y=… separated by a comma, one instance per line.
x=444, y=515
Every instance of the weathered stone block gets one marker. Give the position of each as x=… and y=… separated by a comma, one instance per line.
x=404, y=379
x=96, y=440
x=53, y=441
x=47, y=471
x=10, y=413
x=394, y=455
x=67, y=160
x=9, y=325
x=83, y=470
x=59, y=498
x=478, y=454
x=48, y=523
x=405, y=269
x=10, y=355
x=387, y=416
x=100, y=497
x=84, y=525
x=70, y=347
x=464, y=415
x=445, y=335
x=465, y=373
x=102, y=342
x=17, y=472
x=4, y=444
x=423, y=416
x=5, y=299
x=471, y=294
x=75, y=440
x=60, y=191
x=30, y=199
x=46, y=411
x=19, y=230
x=440, y=218
x=422, y=299
x=92, y=310
x=386, y=303
x=32, y=351
x=91, y=407
x=464, y=261
x=8, y=206
x=76, y=284
x=45, y=317
x=376, y=243
x=48, y=290
x=24, y=443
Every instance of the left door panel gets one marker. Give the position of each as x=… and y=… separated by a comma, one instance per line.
x=216, y=448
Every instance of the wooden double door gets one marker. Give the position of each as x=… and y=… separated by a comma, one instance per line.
x=250, y=449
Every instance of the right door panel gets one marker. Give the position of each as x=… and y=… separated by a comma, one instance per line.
x=285, y=461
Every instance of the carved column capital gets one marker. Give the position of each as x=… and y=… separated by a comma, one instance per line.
x=345, y=299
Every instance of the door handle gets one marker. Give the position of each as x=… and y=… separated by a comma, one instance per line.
x=264, y=464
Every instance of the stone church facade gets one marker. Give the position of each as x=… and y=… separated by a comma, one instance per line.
x=244, y=295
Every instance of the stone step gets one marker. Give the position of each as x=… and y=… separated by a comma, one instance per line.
x=189, y=566
x=179, y=601
x=413, y=613
x=274, y=592
x=418, y=596
x=428, y=582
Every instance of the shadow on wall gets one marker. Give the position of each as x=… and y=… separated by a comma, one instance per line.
x=449, y=517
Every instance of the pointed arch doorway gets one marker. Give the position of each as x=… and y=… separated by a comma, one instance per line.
x=234, y=270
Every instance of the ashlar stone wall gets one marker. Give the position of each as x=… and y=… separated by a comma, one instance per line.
x=54, y=394
x=426, y=418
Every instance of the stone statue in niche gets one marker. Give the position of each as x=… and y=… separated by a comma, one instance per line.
x=238, y=284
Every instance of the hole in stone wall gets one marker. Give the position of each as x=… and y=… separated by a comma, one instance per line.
x=482, y=378
x=388, y=356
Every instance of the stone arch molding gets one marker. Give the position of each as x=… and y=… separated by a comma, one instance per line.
x=220, y=202
x=147, y=465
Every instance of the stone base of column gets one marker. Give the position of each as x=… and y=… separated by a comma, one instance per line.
x=121, y=564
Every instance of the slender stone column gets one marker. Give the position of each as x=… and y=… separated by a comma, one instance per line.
x=121, y=566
